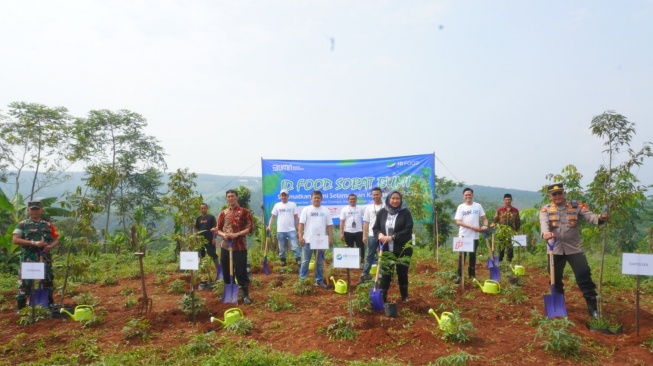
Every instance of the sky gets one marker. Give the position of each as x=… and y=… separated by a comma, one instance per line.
x=503, y=92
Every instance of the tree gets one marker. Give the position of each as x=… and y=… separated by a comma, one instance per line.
x=116, y=148
x=615, y=187
x=38, y=137
x=444, y=208
x=182, y=203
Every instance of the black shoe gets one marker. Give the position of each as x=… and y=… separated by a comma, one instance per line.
x=404, y=299
x=299, y=261
x=458, y=279
x=283, y=262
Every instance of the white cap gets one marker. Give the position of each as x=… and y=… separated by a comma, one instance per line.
x=283, y=191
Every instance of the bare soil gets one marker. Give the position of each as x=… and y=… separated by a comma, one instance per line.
x=504, y=334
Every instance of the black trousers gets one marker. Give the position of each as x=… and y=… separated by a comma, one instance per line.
x=471, y=269
x=582, y=272
x=402, y=271
x=511, y=254
x=356, y=239
x=240, y=266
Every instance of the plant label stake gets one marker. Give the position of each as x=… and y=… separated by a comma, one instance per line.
x=144, y=303
x=554, y=303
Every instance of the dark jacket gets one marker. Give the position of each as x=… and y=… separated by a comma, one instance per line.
x=403, y=231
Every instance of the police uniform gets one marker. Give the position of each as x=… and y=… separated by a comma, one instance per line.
x=563, y=222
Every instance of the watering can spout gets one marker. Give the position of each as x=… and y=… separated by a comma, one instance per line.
x=64, y=311
x=214, y=319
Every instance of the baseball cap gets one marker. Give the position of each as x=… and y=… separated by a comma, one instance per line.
x=283, y=191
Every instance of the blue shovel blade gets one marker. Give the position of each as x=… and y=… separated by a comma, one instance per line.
x=376, y=298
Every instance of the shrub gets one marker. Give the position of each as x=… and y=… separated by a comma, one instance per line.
x=341, y=329
x=513, y=295
x=556, y=337
x=40, y=313
x=201, y=344
x=187, y=304
x=127, y=291
x=456, y=359
x=177, y=287
x=137, y=327
x=85, y=298
x=459, y=329
x=277, y=302
x=241, y=326
x=304, y=287
x=444, y=292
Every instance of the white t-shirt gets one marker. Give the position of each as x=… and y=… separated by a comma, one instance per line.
x=350, y=215
x=285, y=213
x=471, y=215
x=370, y=216
x=315, y=220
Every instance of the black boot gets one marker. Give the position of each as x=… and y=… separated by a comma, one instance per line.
x=298, y=260
x=404, y=293
x=246, y=299
x=592, y=308
x=283, y=262
x=21, y=304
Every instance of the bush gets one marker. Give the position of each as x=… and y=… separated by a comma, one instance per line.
x=513, y=295
x=277, y=302
x=459, y=329
x=304, y=287
x=444, y=291
x=241, y=326
x=341, y=329
x=40, y=313
x=137, y=327
x=86, y=298
x=456, y=359
x=177, y=287
x=556, y=337
x=187, y=302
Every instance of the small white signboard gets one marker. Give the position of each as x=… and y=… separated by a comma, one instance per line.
x=346, y=258
x=189, y=260
x=32, y=270
x=319, y=241
x=461, y=244
x=519, y=241
x=637, y=264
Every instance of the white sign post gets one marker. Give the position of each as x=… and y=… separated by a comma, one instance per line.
x=462, y=245
x=637, y=264
x=347, y=258
x=32, y=270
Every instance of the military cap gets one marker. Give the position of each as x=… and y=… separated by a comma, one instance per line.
x=556, y=187
x=34, y=204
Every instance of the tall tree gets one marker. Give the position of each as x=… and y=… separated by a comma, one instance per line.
x=182, y=202
x=37, y=137
x=116, y=148
x=615, y=186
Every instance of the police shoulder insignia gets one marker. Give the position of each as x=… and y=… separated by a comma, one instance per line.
x=582, y=206
x=543, y=209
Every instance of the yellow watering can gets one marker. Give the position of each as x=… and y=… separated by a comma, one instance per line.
x=489, y=287
x=444, y=321
x=340, y=285
x=81, y=313
x=518, y=270
x=311, y=265
x=230, y=316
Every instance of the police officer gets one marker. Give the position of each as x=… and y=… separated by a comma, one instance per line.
x=559, y=223
x=37, y=238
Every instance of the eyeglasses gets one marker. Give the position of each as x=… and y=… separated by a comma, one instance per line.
x=557, y=193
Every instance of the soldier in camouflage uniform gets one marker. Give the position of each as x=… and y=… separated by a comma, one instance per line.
x=37, y=238
x=559, y=222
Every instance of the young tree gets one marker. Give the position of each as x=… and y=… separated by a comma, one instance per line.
x=615, y=186
x=182, y=203
x=37, y=137
x=117, y=149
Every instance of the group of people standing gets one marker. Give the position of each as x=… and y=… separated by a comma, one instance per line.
x=386, y=227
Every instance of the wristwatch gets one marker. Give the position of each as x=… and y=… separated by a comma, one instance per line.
x=33, y=244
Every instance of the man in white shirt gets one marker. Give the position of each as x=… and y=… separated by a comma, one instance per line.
x=468, y=216
x=369, y=217
x=314, y=222
x=287, y=221
x=350, y=226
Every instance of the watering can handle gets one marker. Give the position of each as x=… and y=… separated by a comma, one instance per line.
x=84, y=307
x=233, y=310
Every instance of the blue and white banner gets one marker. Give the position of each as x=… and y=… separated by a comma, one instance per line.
x=336, y=179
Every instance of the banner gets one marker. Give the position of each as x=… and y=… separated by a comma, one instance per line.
x=336, y=179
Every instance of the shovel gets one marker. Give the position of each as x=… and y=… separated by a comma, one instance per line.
x=266, y=269
x=554, y=304
x=375, y=294
x=492, y=262
x=230, y=294
x=219, y=276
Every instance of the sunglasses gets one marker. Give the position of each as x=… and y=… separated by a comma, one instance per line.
x=556, y=193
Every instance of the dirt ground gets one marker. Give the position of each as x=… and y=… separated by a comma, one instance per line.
x=504, y=334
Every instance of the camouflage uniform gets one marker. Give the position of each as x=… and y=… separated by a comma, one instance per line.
x=36, y=231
